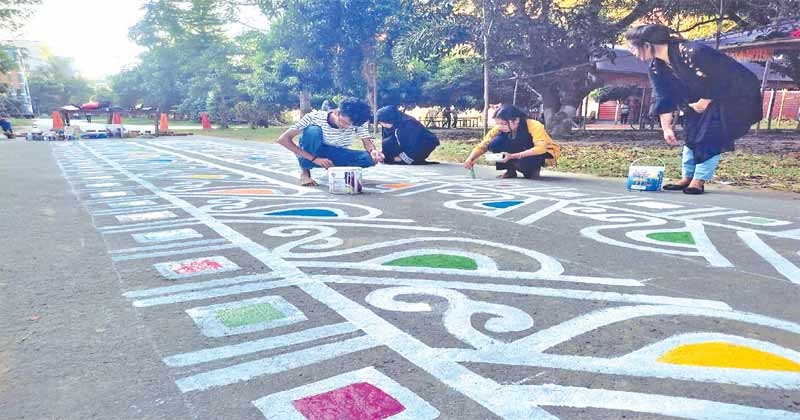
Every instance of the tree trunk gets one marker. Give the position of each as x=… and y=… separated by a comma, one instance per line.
x=369, y=71
x=485, y=69
x=305, y=102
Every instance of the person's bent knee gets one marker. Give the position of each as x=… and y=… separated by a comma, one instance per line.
x=496, y=144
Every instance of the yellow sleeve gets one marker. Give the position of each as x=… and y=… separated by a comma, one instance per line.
x=483, y=146
x=540, y=137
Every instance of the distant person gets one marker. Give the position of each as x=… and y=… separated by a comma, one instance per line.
x=405, y=140
x=89, y=117
x=720, y=98
x=624, y=111
x=5, y=124
x=325, y=136
x=524, y=143
x=447, y=117
x=453, y=116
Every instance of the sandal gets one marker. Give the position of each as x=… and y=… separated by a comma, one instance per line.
x=694, y=190
x=307, y=181
x=674, y=187
x=508, y=174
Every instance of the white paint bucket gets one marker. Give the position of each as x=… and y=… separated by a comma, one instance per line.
x=344, y=180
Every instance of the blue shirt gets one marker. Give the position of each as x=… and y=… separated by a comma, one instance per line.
x=6, y=124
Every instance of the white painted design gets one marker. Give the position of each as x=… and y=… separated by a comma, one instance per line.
x=146, y=217
x=759, y=221
x=272, y=365
x=250, y=347
x=279, y=406
x=109, y=194
x=781, y=264
x=99, y=177
x=656, y=205
x=104, y=185
x=134, y=203
x=567, y=194
x=195, y=267
x=206, y=317
x=166, y=236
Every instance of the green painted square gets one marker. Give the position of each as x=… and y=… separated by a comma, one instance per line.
x=674, y=237
x=246, y=315
x=436, y=261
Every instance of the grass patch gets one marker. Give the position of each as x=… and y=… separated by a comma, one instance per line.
x=269, y=134
x=18, y=122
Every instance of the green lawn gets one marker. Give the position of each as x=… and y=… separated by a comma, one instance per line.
x=18, y=122
x=245, y=133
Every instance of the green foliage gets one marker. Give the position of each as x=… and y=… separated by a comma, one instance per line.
x=57, y=84
x=13, y=13
x=614, y=93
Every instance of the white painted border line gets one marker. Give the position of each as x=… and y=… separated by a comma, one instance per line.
x=781, y=264
x=131, y=210
x=530, y=290
x=702, y=215
x=284, y=222
x=530, y=219
x=217, y=292
x=422, y=190
x=189, y=222
x=168, y=246
x=272, y=365
x=166, y=290
x=153, y=224
x=249, y=347
x=171, y=253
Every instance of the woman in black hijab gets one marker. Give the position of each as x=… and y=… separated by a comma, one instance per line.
x=720, y=98
x=405, y=140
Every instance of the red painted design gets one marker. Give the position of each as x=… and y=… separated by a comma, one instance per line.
x=359, y=401
x=197, y=266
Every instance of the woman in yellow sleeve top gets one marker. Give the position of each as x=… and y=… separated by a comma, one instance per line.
x=524, y=143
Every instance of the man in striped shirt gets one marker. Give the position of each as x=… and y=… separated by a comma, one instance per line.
x=326, y=135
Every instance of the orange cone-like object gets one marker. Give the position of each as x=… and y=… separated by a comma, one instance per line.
x=116, y=118
x=205, y=121
x=58, y=123
x=163, y=123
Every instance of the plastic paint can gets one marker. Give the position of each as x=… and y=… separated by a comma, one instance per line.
x=344, y=180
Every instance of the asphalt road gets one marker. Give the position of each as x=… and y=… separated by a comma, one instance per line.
x=192, y=278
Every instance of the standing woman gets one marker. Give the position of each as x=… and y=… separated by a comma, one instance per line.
x=405, y=140
x=720, y=98
x=525, y=144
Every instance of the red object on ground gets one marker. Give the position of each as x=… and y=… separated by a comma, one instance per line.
x=116, y=118
x=163, y=123
x=58, y=123
x=796, y=33
x=91, y=105
x=197, y=266
x=359, y=401
x=205, y=120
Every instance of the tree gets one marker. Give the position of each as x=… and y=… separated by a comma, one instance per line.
x=57, y=84
x=13, y=13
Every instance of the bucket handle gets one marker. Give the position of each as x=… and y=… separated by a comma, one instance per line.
x=661, y=161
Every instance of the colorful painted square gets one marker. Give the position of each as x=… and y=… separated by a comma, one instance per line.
x=245, y=316
x=195, y=267
x=359, y=401
x=166, y=236
x=362, y=394
x=146, y=217
x=398, y=185
x=759, y=221
x=110, y=194
x=134, y=203
x=502, y=204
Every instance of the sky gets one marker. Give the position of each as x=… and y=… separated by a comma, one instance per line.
x=92, y=32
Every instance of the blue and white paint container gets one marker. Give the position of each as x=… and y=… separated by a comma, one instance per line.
x=344, y=180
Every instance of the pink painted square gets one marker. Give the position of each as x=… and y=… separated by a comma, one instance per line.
x=358, y=401
x=197, y=266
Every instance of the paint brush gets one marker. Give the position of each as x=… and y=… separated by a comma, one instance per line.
x=472, y=172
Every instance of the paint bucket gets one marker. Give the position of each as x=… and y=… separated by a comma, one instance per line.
x=344, y=180
x=645, y=178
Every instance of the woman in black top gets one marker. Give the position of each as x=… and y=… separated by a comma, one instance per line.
x=720, y=98
x=405, y=140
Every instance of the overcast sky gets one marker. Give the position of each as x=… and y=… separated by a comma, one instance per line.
x=93, y=32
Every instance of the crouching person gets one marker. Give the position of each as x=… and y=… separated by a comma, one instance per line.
x=405, y=140
x=325, y=136
x=525, y=144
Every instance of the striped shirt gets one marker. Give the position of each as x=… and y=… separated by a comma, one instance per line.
x=332, y=136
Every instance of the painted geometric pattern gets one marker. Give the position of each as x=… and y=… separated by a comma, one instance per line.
x=521, y=327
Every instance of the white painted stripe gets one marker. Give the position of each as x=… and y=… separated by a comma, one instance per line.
x=120, y=199
x=168, y=246
x=694, y=210
x=154, y=224
x=781, y=264
x=130, y=210
x=189, y=222
x=199, y=285
x=422, y=190
x=272, y=365
x=214, y=293
x=719, y=213
x=224, y=352
x=514, y=275
x=530, y=290
x=530, y=219
x=284, y=222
